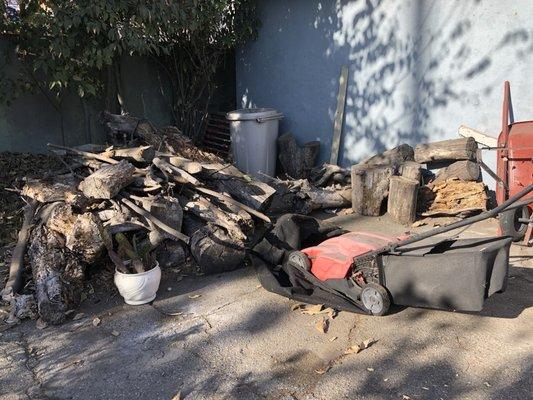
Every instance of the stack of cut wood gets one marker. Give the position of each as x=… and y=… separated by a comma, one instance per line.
x=158, y=191
x=401, y=181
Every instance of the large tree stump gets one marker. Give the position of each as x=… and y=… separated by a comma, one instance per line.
x=395, y=156
x=108, y=181
x=446, y=150
x=402, y=200
x=296, y=161
x=370, y=186
x=463, y=170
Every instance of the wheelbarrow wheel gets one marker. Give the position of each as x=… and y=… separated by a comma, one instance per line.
x=375, y=299
x=511, y=225
x=299, y=260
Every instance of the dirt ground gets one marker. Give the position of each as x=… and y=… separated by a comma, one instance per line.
x=237, y=341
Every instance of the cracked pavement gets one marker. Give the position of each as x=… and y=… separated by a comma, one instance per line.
x=237, y=341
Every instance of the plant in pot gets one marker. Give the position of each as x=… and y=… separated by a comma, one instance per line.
x=137, y=273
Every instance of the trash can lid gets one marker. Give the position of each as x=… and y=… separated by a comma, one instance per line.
x=245, y=114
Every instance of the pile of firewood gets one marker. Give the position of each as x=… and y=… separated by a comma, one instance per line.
x=151, y=194
x=402, y=181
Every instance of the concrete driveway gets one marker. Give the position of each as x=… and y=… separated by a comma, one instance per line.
x=237, y=341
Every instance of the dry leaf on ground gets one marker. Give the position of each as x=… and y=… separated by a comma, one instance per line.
x=322, y=325
x=177, y=396
x=115, y=333
x=312, y=310
x=96, y=321
x=194, y=296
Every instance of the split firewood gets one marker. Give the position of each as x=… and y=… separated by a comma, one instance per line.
x=16, y=267
x=453, y=149
x=142, y=154
x=296, y=161
x=402, y=199
x=411, y=170
x=452, y=197
x=108, y=181
x=396, y=156
x=370, y=186
x=464, y=170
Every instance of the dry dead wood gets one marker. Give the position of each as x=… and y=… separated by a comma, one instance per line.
x=16, y=267
x=411, y=170
x=108, y=181
x=296, y=161
x=142, y=154
x=402, y=199
x=396, y=156
x=464, y=170
x=370, y=186
x=327, y=174
x=446, y=150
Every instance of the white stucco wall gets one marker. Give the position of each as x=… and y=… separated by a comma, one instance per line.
x=418, y=69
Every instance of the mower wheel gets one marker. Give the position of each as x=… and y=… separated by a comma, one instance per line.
x=299, y=260
x=510, y=224
x=375, y=299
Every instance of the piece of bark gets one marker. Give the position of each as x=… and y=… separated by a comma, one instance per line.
x=411, y=170
x=84, y=233
x=108, y=181
x=58, y=275
x=370, y=186
x=464, y=170
x=452, y=197
x=296, y=161
x=16, y=267
x=142, y=154
x=453, y=149
x=402, y=201
x=395, y=156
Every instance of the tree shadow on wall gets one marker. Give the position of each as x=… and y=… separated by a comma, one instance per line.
x=408, y=64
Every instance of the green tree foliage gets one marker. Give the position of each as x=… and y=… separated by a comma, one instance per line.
x=77, y=44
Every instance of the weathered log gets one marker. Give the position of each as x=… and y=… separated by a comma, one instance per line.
x=214, y=250
x=395, y=156
x=142, y=154
x=84, y=233
x=453, y=149
x=411, y=170
x=324, y=198
x=402, y=200
x=464, y=170
x=452, y=197
x=370, y=186
x=108, y=181
x=297, y=161
x=251, y=192
x=58, y=275
x=14, y=282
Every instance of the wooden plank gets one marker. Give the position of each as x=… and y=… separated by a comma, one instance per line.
x=339, y=115
x=480, y=137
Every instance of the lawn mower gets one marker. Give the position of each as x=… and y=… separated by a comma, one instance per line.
x=366, y=272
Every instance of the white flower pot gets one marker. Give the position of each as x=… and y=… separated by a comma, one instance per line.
x=138, y=288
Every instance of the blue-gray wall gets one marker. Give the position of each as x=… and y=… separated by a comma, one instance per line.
x=418, y=69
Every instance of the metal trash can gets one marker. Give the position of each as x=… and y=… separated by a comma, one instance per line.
x=254, y=132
